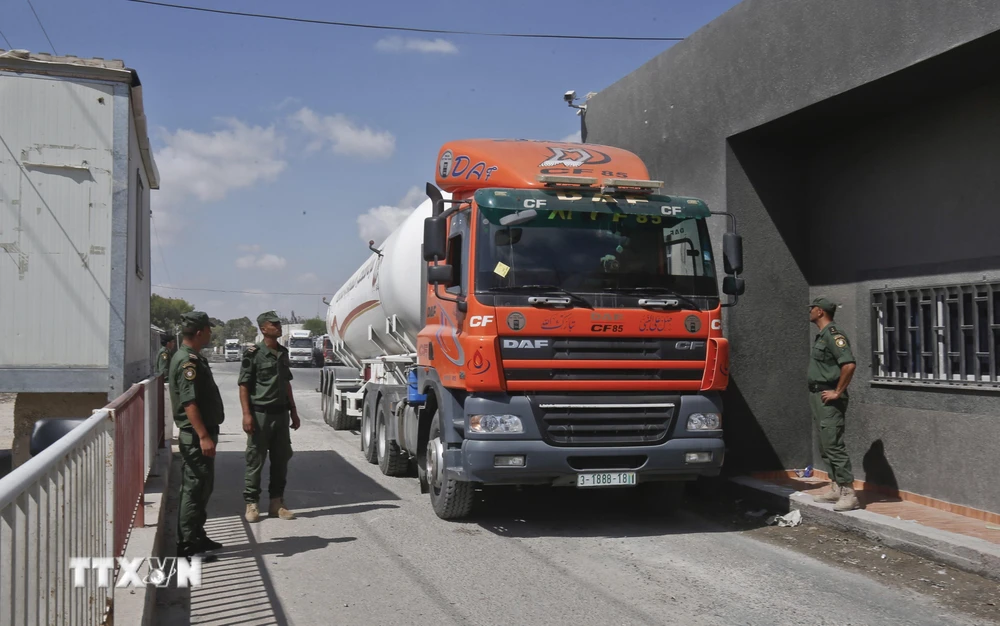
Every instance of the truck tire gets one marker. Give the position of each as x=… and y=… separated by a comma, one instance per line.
x=391, y=460
x=339, y=419
x=450, y=498
x=369, y=447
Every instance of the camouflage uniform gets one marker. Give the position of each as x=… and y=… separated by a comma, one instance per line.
x=831, y=350
x=266, y=373
x=191, y=382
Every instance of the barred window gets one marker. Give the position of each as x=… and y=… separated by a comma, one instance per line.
x=948, y=334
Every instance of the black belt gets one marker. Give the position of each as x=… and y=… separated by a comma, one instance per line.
x=817, y=387
x=269, y=409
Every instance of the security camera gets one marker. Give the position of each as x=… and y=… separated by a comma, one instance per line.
x=569, y=96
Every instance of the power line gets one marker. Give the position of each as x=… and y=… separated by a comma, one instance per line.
x=9, y=46
x=252, y=293
x=43, y=27
x=435, y=31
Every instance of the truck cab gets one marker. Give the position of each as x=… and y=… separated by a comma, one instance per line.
x=570, y=328
x=232, y=350
x=300, y=348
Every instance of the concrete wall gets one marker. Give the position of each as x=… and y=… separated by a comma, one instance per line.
x=855, y=142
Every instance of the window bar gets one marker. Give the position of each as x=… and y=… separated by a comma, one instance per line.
x=991, y=335
x=977, y=337
x=910, y=347
x=961, y=334
x=939, y=347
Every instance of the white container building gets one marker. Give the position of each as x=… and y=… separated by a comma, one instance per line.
x=76, y=170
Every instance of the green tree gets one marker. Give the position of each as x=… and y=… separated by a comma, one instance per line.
x=242, y=329
x=315, y=325
x=166, y=312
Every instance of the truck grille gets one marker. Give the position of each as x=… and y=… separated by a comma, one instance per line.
x=602, y=374
x=621, y=420
x=587, y=348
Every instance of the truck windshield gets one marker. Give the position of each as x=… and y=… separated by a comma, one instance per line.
x=596, y=252
x=300, y=342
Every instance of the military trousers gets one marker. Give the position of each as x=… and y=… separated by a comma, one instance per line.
x=271, y=435
x=197, y=483
x=829, y=419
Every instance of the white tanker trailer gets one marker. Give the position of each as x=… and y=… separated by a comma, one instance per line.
x=373, y=322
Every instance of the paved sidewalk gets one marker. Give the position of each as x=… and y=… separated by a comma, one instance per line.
x=966, y=543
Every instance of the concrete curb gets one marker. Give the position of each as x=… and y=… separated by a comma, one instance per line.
x=968, y=554
x=137, y=606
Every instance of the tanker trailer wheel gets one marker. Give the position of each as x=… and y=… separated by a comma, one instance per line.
x=369, y=446
x=340, y=420
x=391, y=460
x=451, y=499
x=322, y=394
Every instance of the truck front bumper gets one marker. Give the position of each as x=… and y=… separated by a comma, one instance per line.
x=551, y=465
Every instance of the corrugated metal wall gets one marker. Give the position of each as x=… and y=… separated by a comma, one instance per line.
x=55, y=221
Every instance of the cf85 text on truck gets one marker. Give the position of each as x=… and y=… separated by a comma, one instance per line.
x=548, y=316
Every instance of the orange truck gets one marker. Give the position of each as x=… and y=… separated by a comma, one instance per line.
x=570, y=329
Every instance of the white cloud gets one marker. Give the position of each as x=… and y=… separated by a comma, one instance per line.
x=378, y=223
x=308, y=277
x=208, y=166
x=344, y=136
x=410, y=44
x=289, y=101
x=263, y=262
x=576, y=137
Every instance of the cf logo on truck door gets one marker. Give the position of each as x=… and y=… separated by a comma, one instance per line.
x=534, y=203
x=478, y=321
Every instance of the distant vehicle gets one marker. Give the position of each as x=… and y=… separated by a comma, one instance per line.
x=232, y=350
x=300, y=348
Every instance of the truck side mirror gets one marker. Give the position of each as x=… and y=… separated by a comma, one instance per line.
x=732, y=253
x=435, y=239
x=732, y=286
x=441, y=275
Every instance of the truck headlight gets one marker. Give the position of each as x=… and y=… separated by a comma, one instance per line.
x=495, y=424
x=704, y=421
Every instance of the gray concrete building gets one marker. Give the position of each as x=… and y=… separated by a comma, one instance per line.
x=858, y=145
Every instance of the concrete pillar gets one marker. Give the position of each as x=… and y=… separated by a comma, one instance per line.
x=30, y=407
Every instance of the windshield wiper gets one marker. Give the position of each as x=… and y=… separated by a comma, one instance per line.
x=543, y=288
x=661, y=290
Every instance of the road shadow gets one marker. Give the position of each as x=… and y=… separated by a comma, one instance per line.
x=605, y=513
x=319, y=480
x=283, y=547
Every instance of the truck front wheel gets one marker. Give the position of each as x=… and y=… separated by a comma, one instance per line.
x=451, y=499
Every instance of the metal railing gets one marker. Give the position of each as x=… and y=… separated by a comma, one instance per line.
x=56, y=507
x=79, y=498
x=129, y=414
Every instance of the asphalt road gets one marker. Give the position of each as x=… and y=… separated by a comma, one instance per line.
x=368, y=549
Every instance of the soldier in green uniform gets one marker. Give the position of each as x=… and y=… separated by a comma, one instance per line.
x=266, y=397
x=168, y=345
x=831, y=367
x=198, y=412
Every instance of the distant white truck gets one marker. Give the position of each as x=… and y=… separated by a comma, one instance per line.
x=300, y=347
x=232, y=350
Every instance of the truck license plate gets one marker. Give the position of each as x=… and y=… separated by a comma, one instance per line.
x=605, y=479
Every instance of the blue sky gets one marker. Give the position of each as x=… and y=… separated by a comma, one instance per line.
x=284, y=147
